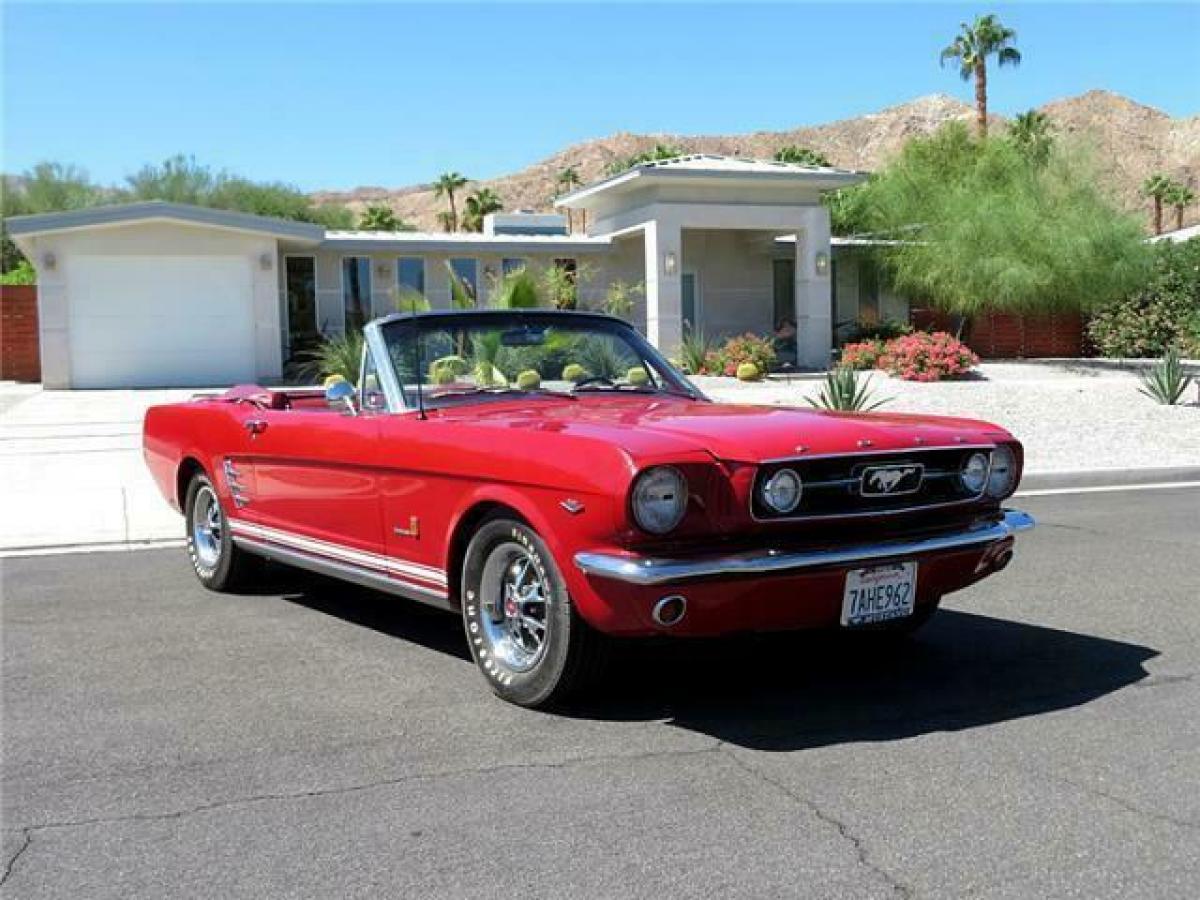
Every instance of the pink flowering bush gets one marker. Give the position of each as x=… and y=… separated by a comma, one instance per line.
x=922, y=356
x=862, y=354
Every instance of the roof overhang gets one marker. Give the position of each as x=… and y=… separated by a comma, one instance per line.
x=158, y=210
x=471, y=242
x=713, y=171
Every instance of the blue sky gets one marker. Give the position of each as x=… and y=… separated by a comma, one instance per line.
x=338, y=96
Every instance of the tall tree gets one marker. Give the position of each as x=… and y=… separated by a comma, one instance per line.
x=1157, y=187
x=801, y=156
x=445, y=186
x=568, y=179
x=971, y=49
x=380, y=217
x=1179, y=197
x=481, y=203
x=1032, y=134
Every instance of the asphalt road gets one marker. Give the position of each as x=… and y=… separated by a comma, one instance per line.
x=1040, y=739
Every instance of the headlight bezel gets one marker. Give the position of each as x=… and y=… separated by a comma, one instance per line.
x=636, y=500
x=764, y=491
x=1003, y=474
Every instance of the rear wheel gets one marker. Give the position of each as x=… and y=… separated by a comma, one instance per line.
x=219, y=564
x=524, y=632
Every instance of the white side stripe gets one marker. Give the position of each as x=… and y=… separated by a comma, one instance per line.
x=341, y=552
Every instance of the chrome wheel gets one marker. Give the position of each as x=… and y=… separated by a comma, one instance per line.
x=515, y=607
x=207, y=528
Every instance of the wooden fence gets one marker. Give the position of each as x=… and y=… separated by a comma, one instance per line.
x=19, y=353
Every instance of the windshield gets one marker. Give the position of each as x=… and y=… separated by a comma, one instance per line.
x=463, y=356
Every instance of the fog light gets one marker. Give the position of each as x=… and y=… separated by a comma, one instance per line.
x=669, y=610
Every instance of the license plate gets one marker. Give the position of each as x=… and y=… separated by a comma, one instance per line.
x=879, y=594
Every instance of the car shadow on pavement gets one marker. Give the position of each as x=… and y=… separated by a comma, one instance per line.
x=795, y=691
x=790, y=692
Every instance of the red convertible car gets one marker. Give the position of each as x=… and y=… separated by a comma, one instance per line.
x=550, y=477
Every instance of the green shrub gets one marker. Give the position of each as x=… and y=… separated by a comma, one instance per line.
x=748, y=371
x=340, y=354
x=1165, y=313
x=694, y=351
x=574, y=372
x=637, y=376
x=529, y=380
x=862, y=355
x=24, y=273
x=446, y=369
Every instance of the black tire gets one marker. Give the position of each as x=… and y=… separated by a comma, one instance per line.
x=219, y=564
x=569, y=655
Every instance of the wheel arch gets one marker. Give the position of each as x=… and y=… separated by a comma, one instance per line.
x=189, y=467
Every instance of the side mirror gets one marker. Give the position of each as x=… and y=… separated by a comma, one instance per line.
x=342, y=393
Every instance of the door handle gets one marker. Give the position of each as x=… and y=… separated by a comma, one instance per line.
x=255, y=426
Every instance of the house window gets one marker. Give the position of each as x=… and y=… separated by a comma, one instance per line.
x=466, y=270
x=511, y=264
x=356, y=290
x=410, y=275
x=300, y=285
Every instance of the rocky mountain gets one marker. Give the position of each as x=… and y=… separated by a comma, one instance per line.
x=1130, y=142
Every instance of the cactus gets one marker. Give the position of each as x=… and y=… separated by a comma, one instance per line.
x=487, y=375
x=574, y=372
x=454, y=365
x=529, y=380
x=637, y=376
x=748, y=371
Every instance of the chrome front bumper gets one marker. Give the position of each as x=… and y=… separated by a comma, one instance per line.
x=651, y=570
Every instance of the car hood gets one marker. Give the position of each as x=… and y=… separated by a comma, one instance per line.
x=658, y=426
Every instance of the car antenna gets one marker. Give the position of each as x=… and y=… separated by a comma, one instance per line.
x=417, y=341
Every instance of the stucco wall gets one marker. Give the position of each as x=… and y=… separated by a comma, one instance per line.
x=734, y=280
x=151, y=239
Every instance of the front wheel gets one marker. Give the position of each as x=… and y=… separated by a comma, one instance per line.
x=219, y=564
x=524, y=632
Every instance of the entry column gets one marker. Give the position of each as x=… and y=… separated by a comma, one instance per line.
x=664, y=295
x=814, y=295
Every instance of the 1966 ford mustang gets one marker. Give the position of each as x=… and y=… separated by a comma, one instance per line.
x=550, y=477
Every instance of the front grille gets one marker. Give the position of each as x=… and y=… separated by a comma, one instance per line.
x=866, y=483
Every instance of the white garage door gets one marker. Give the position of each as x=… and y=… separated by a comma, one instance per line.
x=160, y=321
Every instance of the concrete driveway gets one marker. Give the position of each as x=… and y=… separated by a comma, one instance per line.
x=1037, y=740
x=72, y=471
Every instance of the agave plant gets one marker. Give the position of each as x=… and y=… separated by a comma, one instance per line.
x=694, y=350
x=843, y=391
x=1166, y=381
x=339, y=354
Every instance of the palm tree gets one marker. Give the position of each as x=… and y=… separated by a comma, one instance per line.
x=568, y=179
x=801, y=156
x=379, y=217
x=1180, y=196
x=1032, y=134
x=445, y=186
x=1157, y=187
x=481, y=203
x=974, y=44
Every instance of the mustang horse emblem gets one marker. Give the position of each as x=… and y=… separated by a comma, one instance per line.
x=886, y=479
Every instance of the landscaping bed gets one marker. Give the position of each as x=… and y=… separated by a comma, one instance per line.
x=1069, y=420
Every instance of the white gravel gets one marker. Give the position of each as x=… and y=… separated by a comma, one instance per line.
x=1068, y=420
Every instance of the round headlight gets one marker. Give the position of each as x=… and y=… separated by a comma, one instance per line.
x=974, y=473
x=1003, y=480
x=659, y=499
x=781, y=492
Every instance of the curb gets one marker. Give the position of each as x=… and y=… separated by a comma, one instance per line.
x=1113, y=478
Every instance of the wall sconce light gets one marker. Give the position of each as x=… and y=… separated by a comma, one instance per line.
x=266, y=261
x=669, y=262
x=49, y=262
x=822, y=262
